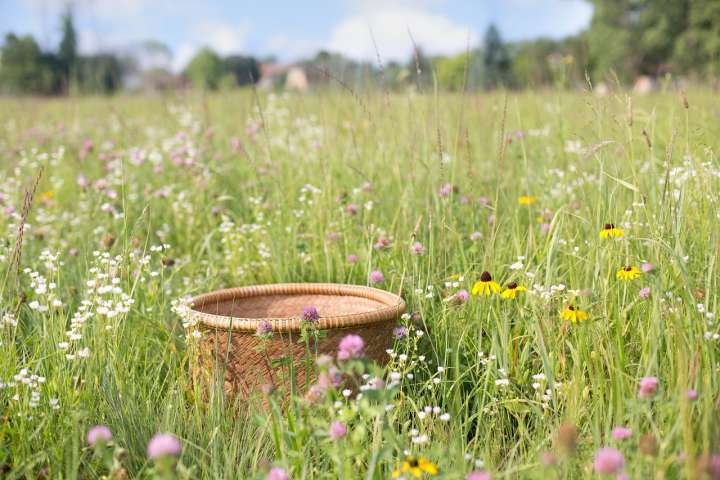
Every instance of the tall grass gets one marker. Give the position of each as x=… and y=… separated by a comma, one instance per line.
x=183, y=195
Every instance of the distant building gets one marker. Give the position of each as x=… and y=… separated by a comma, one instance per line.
x=287, y=76
x=644, y=85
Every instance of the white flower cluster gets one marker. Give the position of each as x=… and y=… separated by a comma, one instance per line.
x=287, y=132
x=104, y=298
x=27, y=386
x=44, y=296
x=545, y=293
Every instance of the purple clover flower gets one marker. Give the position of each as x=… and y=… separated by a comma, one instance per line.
x=163, y=445
x=351, y=346
x=98, y=434
x=310, y=314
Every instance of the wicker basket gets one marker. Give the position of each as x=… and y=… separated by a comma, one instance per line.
x=229, y=348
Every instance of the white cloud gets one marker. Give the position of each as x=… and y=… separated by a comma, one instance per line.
x=182, y=56
x=287, y=48
x=222, y=37
x=391, y=27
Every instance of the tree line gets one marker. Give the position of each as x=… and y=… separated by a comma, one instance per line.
x=625, y=39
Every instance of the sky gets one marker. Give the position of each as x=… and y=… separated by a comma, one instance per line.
x=292, y=29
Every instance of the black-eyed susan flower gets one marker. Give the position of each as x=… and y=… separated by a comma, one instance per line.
x=512, y=290
x=415, y=466
x=573, y=314
x=527, y=199
x=628, y=273
x=611, y=231
x=486, y=285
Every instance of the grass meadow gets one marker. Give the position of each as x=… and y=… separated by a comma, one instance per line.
x=112, y=210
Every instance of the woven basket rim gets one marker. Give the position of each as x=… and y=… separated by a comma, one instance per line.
x=394, y=306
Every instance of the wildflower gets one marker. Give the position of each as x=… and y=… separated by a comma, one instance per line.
x=352, y=258
x=648, y=387
x=400, y=332
x=99, y=434
x=691, y=394
x=417, y=248
x=162, y=445
x=645, y=293
x=277, y=473
x=47, y=196
x=573, y=314
x=610, y=231
x=376, y=276
x=545, y=228
x=337, y=430
x=416, y=467
x=548, y=459
x=310, y=314
x=711, y=465
x=475, y=236
x=527, y=199
x=445, y=190
x=263, y=328
x=608, y=461
x=478, y=475
x=351, y=346
x=486, y=285
x=647, y=267
x=383, y=242
x=628, y=273
x=460, y=297
x=621, y=433
x=512, y=290
x=351, y=208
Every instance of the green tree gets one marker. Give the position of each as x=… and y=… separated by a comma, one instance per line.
x=420, y=69
x=205, y=70
x=697, y=49
x=496, y=60
x=452, y=72
x=530, y=62
x=24, y=69
x=100, y=73
x=67, y=51
x=660, y=24
x=244, y=70
x=632, y=37
x=611, y=36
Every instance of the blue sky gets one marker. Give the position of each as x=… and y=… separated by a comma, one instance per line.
x=290, y=29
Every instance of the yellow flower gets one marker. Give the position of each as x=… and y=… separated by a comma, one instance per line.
x=527, y=199
x=574, y=315
x=609, y=231
x=45, y=196
x=628, y=273
x=486, y=285
x=416, y=467
x=512, y=290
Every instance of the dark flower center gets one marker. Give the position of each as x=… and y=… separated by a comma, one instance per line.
x=413, y=462
x=627, y=269
x=512, y=285
x=571, y=308
x=609, y=226
x=485, y=277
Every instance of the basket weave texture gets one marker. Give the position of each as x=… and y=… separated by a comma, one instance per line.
x=228, y=320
